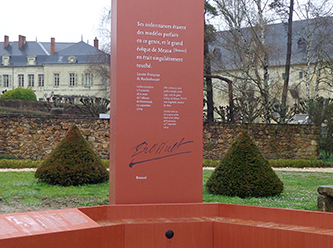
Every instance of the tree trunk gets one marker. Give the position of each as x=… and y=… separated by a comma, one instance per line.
x=209, y=84
x=230, y=93
x=287, y=69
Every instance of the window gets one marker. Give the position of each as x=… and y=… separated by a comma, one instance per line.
x=5, y=80
x=31, y=80
x=87, y=79
x=31, y=60
x=5, y=60
x=72, y=79
x=40, y=80
x=56, y=79
x=283, y=76
x=21, y=80
x=300, y=75
x=301, y=43
x=71, y=59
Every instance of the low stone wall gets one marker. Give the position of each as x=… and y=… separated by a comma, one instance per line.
x=34, y=137
x=25, y=105
x=274, y=141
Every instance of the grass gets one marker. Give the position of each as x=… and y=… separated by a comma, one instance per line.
x=300, y=191
x=25, y=188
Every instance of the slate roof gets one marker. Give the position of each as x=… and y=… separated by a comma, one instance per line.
x=18, y=57
x=276, y=40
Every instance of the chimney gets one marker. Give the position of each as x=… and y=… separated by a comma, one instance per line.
x=52, y=45
x=6, y=43
x=96, y=42
x=21, y=41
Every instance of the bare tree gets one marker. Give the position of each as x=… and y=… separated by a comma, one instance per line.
x=105, y=30
x=318, y=35
x=99, y=66
x=209, y=36
x=245, y=50
x=99, y=62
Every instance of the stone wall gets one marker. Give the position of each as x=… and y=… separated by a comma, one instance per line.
x=25, y=105
x=34, y=137
x=274, y=141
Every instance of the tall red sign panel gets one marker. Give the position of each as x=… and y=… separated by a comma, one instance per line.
x=156, y=101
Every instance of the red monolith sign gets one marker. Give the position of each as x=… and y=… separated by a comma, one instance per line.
x=156, y=101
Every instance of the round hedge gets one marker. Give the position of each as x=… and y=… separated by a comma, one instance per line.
x=72, y=162
x=20, y=94
x=244, y=172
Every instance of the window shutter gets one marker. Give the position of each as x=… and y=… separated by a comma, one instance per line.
x=75, y=79
x=1, y=85
x=9, y=80
x=91, y=79
x=82, y=79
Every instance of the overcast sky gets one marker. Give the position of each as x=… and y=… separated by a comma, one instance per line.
x=65, y=20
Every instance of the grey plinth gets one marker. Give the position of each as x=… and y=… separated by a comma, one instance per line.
x=325, y=198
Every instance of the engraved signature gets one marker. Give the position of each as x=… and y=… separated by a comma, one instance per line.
x=145, y=152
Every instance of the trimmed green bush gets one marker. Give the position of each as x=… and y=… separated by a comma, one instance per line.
x=244, y=172
x=7, y=156
x=298, y=163
x=276, y=163
x=210, y=163
x=72, y=162
x=20, y=94
x=18, y=164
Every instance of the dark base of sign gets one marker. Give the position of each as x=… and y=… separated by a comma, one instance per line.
x=187, y=225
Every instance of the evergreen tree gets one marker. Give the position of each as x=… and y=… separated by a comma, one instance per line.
x=72, y=162
x=244, y=172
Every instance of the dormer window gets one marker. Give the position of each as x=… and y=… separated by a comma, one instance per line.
x=217, y=54
x=72, y=59
x=31, y=60
x=5, y=60
x=301, y=43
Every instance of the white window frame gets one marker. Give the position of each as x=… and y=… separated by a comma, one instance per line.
x=56, y=79
x=6, y=80
x=87, y=79
x=72, y=79
x=40, y=80
x=31, y=80
x=21, y=80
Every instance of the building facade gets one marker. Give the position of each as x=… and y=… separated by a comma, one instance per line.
x=239, y=55
x=50, y=68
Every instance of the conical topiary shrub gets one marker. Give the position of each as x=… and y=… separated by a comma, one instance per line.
x=244, y=172
x=72, y=162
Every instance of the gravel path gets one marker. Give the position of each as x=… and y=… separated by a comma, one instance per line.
x=327, y=170
x=306, y=169
x=25, y=169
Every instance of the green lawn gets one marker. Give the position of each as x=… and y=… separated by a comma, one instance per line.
x=300, y=191
x=24, y=188
x=21, y=187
